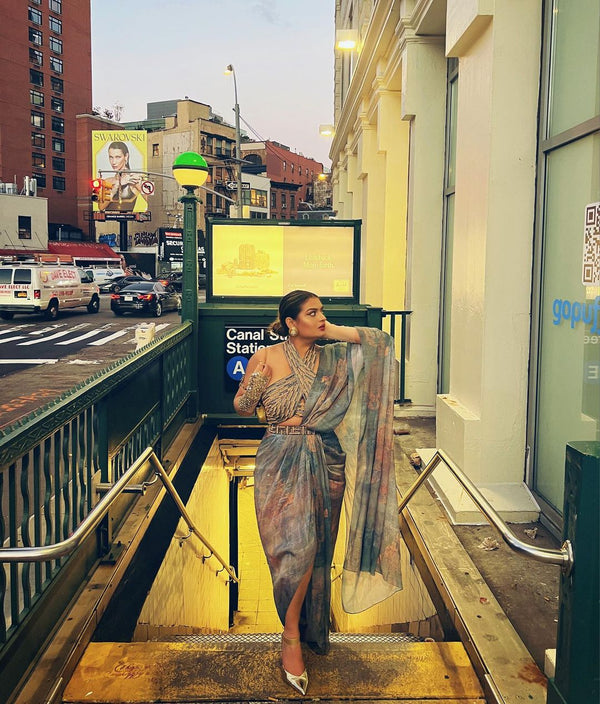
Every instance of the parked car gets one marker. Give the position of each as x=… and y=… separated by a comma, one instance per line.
x=175, y=279
x=116, y=284
x=145, y=297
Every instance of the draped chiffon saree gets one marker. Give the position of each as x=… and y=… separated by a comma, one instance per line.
x=302, y=480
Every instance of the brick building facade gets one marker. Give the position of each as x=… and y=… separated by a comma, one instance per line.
x=45, y=81
x=292, y=175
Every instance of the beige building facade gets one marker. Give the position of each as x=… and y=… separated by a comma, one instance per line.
x=457, y=124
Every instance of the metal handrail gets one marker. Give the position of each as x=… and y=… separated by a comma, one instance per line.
x=91, y=521
x=563, y=557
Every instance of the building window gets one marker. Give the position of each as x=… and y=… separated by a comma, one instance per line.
x=58, y=144
x=38, y=160
x=58, y=163
x=57, y=104
x=284, y=201
x=38, y=140
x=55, y=6
x=292, y=168
x=258, y=198
x=58, y=183
x=55, y=44
x=36, y=98
x=40, y=179
x=209, y=200
x=24, y=227
x=58, y=124
x=55, y=25
x=34, y=15
x=37, y=119
x=273, y=199
x=292, y=200
x=209, y=145
x=36, y=57
x=155, y=150
x=57, y=84
x=36, y=77
x=56, y=64
x=36, y=2
x=36, y=37
x=284, y=166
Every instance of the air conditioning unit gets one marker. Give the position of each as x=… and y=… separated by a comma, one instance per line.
x=218, y=211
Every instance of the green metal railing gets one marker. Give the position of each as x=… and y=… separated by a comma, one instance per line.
x=51, y=461
x=403, y=315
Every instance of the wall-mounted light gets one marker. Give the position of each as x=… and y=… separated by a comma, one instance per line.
x=346, y=39
x=326, y=130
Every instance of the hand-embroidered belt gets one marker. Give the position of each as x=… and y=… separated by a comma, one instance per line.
x=290, y=430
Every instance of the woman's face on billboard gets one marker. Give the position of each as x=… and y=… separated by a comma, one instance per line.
x=117, y=159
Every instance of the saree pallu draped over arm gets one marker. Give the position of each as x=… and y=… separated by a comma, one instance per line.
x=300, y=482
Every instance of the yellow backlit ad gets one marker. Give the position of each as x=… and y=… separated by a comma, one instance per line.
x=247, y=261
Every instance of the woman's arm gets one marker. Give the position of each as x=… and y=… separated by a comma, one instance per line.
x=255, y=381
x=343, y=333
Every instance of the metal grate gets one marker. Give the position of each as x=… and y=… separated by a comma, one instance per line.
x=217, y=638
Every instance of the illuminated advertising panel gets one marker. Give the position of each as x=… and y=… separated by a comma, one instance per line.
x=119, y=159
x=255, y=260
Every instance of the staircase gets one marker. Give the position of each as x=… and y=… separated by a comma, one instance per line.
x=246, y=667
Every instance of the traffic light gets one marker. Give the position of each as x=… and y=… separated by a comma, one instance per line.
x=96, y=184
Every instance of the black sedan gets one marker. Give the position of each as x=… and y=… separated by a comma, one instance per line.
x=116, y=284
x=145, y=297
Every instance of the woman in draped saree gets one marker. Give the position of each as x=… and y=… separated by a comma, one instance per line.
x=329, y=438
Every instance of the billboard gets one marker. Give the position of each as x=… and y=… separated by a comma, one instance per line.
x=257, y=260
x=119, y=158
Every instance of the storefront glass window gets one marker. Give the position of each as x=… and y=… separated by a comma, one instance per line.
x=575, y=95
x=569, y=351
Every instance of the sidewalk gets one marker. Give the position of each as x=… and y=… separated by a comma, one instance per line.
x=526, y=590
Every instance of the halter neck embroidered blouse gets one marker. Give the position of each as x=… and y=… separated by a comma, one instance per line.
x=286, y=397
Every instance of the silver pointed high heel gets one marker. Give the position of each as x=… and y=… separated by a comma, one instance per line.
x=299, y=682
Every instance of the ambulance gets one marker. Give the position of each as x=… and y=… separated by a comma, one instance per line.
x=46, y=289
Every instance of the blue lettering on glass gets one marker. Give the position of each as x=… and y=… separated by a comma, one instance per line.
x=577, y=312
x=236, y=367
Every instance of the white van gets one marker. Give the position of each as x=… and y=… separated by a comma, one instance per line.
x=102, y=275
x=45, y=288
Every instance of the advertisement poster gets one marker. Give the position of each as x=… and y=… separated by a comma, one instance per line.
x=269, y=260
x=119, y=158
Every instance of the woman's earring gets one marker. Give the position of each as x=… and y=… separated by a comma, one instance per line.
x=293, y=332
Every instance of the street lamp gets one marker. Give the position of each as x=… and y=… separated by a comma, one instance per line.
x=238, y=149
x=190, y=171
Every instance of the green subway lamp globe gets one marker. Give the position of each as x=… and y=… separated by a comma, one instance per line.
x=190, y=170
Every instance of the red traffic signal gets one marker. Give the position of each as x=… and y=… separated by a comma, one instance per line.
x=96, y=184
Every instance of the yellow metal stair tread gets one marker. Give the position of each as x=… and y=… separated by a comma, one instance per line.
x=183, y=672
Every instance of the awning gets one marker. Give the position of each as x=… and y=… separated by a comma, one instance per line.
x=88, y=251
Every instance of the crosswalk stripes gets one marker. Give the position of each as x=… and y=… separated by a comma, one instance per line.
x=27, y=335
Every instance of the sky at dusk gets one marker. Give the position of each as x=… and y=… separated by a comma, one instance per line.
x=282, y=51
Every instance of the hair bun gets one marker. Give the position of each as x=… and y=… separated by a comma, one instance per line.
x=278, y=328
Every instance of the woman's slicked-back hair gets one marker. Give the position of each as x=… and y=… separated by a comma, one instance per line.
x=289, y=307
x=121, y=146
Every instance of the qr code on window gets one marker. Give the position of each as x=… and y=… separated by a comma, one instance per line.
x=590, y=273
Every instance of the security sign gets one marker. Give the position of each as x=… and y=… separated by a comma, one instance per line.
x=147, y=188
